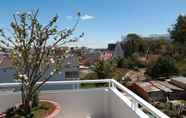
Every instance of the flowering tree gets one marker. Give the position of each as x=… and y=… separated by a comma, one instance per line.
x=32, y=48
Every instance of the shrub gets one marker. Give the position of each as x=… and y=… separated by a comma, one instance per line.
x=118, y=62
x=164, y=67
x=132, y=63
x=181, y=65
x=103, y=69
x=118, y=73
x=90, y=76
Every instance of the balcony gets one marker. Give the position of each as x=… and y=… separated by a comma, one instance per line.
x=112, y=100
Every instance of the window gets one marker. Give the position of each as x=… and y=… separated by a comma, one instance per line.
x=72, y=74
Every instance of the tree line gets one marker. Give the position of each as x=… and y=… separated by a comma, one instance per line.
x=162, y=56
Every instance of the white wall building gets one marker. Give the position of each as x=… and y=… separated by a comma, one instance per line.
x=71, y=67
x=118, y=51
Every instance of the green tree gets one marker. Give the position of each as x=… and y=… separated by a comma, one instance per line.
x=178, y=31
x=118, y=62
x=103, y=69
x=158, y=45
x=164, y=67
x=133, y=36
x=133, y=44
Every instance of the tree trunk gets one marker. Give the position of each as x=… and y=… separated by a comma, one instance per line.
x=26, y=101
x=27, y=106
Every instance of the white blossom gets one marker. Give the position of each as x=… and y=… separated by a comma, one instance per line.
x=67, y=51
x=26, y=83
x=42, y=50
x=51, y=73
x=19, y=54
x=23, y=76
x=53, y=48
x=20, y=75
x=54, y=70
x=52, y=60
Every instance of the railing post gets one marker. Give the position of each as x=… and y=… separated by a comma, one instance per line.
x=112, y=84
x=134, y=105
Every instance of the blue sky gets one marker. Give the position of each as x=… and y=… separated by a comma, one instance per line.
x=104, y=21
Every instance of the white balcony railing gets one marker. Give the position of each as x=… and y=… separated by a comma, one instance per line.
x=136, y=101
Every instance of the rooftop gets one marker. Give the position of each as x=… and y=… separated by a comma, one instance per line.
x=180, y=79
x=158, y=86
x=111, y=101
x=170, y=86
x=161, y=86
x=147, y=86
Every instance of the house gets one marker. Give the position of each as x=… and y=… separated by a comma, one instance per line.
x=179, y=81
x=89, y=59
x=158, y=91
x=5, y=61
x=70, y=70
x=177, y=92
x=118, y=51
x=6, y=70
x=111, y=46
x=106, y=55
x=147, y=91
x=71, y=67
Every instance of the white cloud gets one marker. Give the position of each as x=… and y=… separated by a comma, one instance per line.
x=84, y=17
x=87, y=17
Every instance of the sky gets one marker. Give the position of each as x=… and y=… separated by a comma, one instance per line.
x=102, y=21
